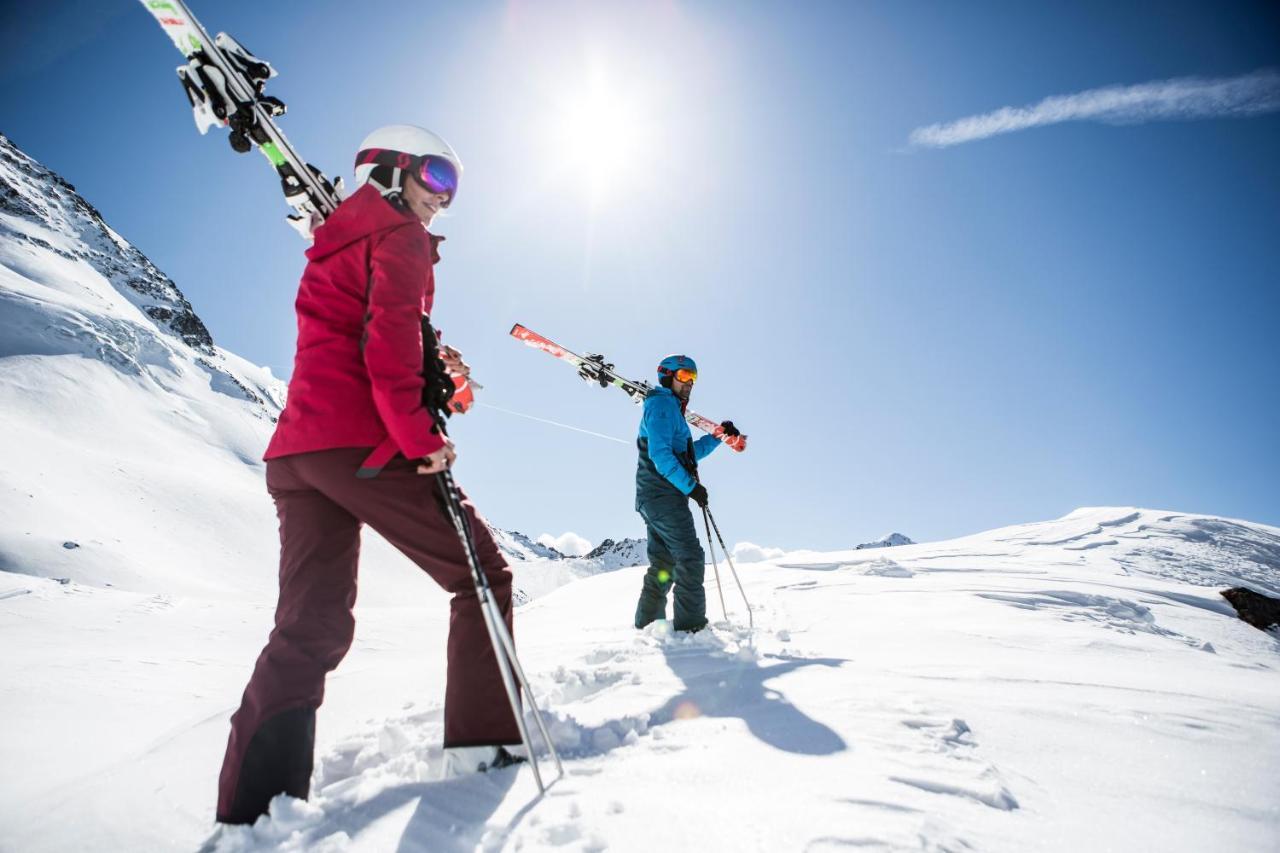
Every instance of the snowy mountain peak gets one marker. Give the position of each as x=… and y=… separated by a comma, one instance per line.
x=608, y=555
x=620, y=553
x=42, y=214
x=516, y=546
x=890, y=540
x=540, y=569
x=71, y=286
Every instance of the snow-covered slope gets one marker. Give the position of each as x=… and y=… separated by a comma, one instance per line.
x=1069, y=685
x=131, y=439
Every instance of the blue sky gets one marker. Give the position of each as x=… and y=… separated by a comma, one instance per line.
x=931, y=340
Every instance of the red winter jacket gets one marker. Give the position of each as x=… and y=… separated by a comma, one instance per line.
x=357, y=377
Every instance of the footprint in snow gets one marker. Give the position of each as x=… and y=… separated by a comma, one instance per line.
x=949, y=764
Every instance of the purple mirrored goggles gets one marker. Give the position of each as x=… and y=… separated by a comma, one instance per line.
x=437, y=174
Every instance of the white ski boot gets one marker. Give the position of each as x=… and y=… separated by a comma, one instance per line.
x=466, y=760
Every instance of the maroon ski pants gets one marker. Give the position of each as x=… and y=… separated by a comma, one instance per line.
x=322, y=505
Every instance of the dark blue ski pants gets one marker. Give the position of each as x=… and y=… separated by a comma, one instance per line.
x=675, y=559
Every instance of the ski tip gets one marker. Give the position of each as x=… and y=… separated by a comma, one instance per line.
x=517, y=329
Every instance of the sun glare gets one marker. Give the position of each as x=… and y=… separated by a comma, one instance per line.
x=600, y=133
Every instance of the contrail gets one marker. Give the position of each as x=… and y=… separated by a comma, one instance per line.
x=551, y=422
x=1178, y=98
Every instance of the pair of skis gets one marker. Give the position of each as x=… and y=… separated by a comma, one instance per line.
x=224, y=83
x=593, y=368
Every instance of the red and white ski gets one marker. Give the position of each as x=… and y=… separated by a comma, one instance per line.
x=593, y=368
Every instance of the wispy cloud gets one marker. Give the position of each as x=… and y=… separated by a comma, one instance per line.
x=1178, y=98
x=569, y=543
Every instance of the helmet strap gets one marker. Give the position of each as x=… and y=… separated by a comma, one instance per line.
x=387, y=180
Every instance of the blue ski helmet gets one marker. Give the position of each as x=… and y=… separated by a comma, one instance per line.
x=672, y=363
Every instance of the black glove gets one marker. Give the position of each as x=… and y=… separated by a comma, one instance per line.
x=729, y=429
x=699, y=495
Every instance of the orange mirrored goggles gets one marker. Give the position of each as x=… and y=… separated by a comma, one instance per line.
x=684, y=374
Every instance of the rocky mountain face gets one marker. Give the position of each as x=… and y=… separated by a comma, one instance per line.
x=44, y=200
x=539, y=569
x=69, y=284
x=608, y=555
x=620, y=554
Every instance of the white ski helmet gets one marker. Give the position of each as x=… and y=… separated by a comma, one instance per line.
x=387, y=153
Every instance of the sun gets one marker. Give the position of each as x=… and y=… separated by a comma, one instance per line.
x=600, y=133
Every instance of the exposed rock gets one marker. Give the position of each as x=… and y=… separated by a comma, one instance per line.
x=618, y=554
x=1260, y=611
x=79, y=288
x=43, y=197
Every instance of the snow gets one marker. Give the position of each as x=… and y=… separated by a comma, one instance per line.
x=749, y=552
x=1047, y=686
x=1060, y=685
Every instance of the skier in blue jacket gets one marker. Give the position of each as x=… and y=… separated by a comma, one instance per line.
x=666, y=479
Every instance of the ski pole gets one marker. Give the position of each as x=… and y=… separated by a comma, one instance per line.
x=711, y=549
x=438, y=389
x=751, y=621
x=504, y=649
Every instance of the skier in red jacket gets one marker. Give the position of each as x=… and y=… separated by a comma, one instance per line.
x=354, y=446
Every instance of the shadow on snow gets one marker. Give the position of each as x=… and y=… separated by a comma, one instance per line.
x=721, y=684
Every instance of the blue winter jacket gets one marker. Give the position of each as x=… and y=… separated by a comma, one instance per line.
x=668, y=454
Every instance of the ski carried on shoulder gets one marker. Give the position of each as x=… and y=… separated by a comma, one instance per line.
x=593, y=368
x=224, y=83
